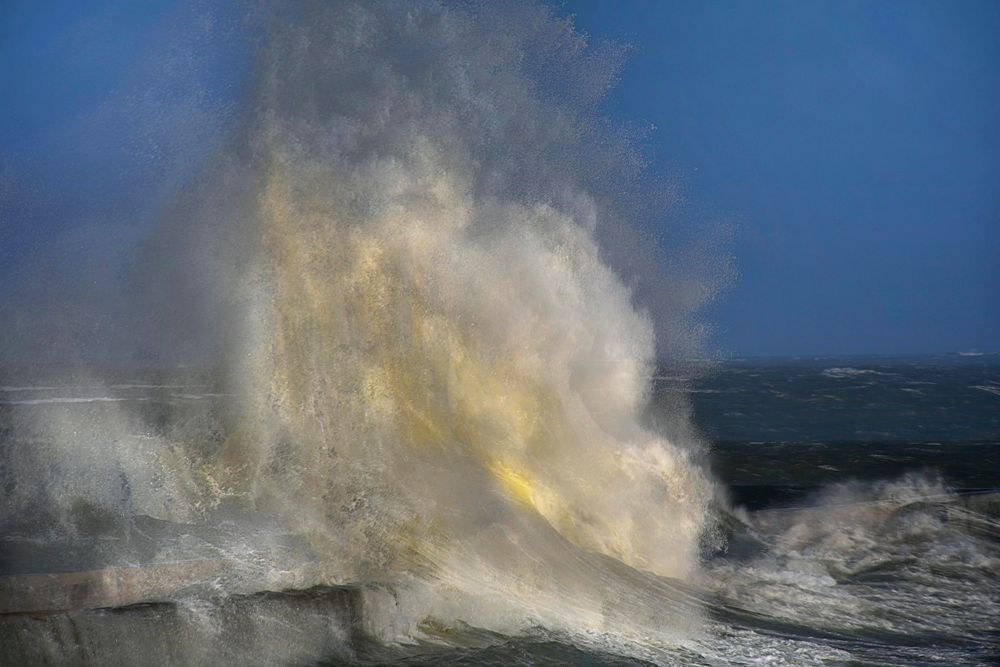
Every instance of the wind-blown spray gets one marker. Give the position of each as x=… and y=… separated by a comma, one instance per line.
x=438, y=377
x=437, y=363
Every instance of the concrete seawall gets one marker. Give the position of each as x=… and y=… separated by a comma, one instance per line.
x=262, y=628
x=173, y=613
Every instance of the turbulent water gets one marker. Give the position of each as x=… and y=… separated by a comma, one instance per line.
x=841, y=548
x=871, y=484
x=436, y=379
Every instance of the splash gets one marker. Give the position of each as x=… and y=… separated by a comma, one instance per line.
x=441, y=380
x=439, y=364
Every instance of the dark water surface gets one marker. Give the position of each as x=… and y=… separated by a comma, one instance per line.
x=865, y=528
x=780, y=428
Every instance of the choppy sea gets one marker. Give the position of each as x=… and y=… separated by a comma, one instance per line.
x=865, y=527
x=869, y=533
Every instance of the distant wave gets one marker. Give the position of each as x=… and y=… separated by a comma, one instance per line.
x=156, y=386
x=14, y=388
x=42, y=388
x=75, y=399
x=848, y=372
x=198, y=397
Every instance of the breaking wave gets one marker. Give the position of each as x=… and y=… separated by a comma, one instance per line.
x=439, y=378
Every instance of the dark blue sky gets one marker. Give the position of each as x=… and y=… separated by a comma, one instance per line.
x=855, y=144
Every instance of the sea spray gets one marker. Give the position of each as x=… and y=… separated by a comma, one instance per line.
x=440, y=380
x=442, y=376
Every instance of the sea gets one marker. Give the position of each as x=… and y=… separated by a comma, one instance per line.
x=862, y=521
x=420, y=281
x=869, y=532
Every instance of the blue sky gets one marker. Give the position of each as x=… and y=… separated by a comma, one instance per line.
x=104, y=101
x=856, y=145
